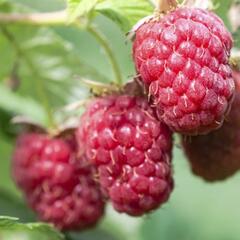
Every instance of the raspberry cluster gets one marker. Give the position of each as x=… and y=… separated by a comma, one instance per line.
x=123, y=137
x=183, y=60
x=57, y=184
x=122, y=149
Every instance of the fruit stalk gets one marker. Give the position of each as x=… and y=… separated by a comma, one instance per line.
x=164, y=6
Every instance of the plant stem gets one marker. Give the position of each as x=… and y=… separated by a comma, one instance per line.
x=39, y=86
x=52, y=18
x=166, y=5
x=109, y=52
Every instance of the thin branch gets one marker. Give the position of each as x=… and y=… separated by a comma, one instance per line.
x=104, y=43
x=39, y=85
x=51, y=18
x=164, y=6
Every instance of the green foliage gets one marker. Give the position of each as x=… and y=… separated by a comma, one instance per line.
x=13, y=102
x=11, y=229
x=43, y=5
x=95, y=234
x=236, y=35
x=220, y=9
x=11, y=205
x=53, y=59
x=79, y=8
x=123, y=13
x=53, y=62
x=46, y=62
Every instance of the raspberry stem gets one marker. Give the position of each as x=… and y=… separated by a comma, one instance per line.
x=164, y=6
x=39, y=85
x=101, y=39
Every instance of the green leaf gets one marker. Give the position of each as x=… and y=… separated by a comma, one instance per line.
x=54, y=64
x=12, y=205
x=10, y=228
x=125, y=13
x=236, y=36
x=93, y=234
x=7, y=222
x=17, y=104
x=57, y=64
x=222, y=9
x=79, y=8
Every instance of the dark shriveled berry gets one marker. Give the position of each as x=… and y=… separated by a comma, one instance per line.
x=183, y=60
x=57, y=184
x=132, y=151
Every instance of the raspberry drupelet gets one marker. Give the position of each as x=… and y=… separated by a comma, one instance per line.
x=183, y=61
x=132, y=151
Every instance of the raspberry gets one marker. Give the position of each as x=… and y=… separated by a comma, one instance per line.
x=216, y=156
x=132, y=151
x=183, y=61
x=57, y=185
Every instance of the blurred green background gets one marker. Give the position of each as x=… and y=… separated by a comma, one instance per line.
x=196, y=210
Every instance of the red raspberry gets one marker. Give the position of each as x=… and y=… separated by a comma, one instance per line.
x=57, y=185
x=216, y=156
x=183, y=60
x=132, y=150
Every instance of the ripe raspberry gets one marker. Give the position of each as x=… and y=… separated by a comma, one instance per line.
x=183, y=60
x=132, y=150
x=57, y=185
x=216, y=156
